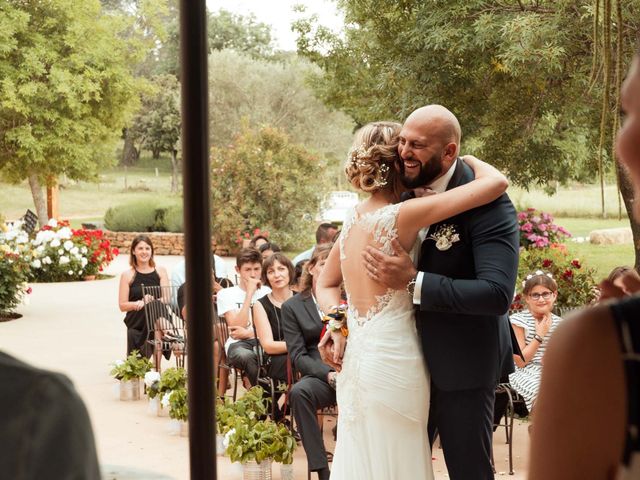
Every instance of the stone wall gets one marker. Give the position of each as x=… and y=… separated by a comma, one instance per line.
x=163, y=243
x=611, y=236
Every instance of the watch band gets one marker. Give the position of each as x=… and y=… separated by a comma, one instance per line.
x=411, y=286
x=538, y=338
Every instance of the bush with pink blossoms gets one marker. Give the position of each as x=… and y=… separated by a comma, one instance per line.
x=537, y=229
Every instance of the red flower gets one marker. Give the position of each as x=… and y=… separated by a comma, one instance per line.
x=116, y=251
x=29, y=290
x=567, y=275
x=546, y=263
x=576, y=263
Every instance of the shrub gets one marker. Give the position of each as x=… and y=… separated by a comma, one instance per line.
x=174, y=219
x=13, y=279
x=144, y=216
x=537, y=229
x=576, y=284
x=135, y=366
x=139, y=216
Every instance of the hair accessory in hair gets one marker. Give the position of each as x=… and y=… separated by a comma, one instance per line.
x=357, y=157
x=537, y=273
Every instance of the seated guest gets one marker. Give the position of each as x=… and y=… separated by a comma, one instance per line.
x=316, y=389
x=142, y=271
x=235, y=304
x=257, y=241
x=325, y=233
x=533, y=328
x=624, y=278
x=268, y=249
x=297, y=276
x=277, y=274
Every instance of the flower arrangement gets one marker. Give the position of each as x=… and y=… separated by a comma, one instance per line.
x=61, y=254
x=14, y=269
x=152, y=382
x=246, y=235
x=576, y=284
x=537, y=229
x=135, y=366
x=170, y=380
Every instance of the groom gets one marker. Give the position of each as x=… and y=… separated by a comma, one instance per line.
x=462, y=289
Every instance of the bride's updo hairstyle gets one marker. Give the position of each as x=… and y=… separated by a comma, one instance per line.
x=372, y=158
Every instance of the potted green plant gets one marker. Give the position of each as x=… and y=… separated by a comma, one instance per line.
x=170, y=380
x=179, y=409
x=129, y=372
x=285, y=444
x=225, y=418
x=152, y=384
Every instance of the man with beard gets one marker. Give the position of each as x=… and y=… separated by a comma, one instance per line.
x=462, y=288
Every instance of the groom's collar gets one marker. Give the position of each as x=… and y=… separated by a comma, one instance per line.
x=439, y=185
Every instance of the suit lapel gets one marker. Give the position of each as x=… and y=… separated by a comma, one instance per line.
x=312, y=310
x=457, y=174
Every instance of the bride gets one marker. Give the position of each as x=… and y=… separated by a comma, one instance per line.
x=383, y=385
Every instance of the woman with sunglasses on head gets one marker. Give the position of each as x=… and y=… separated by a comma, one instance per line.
x=533, y=328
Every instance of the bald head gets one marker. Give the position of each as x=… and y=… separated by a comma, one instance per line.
x=438, y=121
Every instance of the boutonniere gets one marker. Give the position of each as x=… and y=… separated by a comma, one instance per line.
x=445, y=236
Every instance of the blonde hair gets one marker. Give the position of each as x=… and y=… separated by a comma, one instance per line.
x=371, y=161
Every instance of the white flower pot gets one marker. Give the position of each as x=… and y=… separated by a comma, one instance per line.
x=130, y=390
x=252, y=470
x=286, y=472
x=154, y=406
x=220, y=450
x=184, y=429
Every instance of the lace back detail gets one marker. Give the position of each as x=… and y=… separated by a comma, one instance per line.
x=382, y=225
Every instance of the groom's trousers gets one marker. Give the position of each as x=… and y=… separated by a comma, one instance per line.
x=464, y=421
x=307, y=396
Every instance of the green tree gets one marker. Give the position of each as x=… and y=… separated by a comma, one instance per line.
x=520, y=75
x=156, y=126
x=264, y=180
x=238, y=91
x=65, y=91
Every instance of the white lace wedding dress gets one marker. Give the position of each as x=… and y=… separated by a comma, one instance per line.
x=383, y=388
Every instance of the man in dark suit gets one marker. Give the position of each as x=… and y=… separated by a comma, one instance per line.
x=316, y=389
x=462, y=288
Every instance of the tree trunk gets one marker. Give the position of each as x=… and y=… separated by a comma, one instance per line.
x=155, y=153
x=626, y=189
x=130, y=153
x=174, y=171
x=39, y=200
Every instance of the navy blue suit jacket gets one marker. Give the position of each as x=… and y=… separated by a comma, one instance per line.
x=466, y=293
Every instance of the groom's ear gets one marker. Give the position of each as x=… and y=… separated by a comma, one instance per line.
x=450, y=152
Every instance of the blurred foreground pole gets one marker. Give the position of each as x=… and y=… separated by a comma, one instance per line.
x=195, y=155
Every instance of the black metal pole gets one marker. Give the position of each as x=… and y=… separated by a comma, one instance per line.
x=195, y=154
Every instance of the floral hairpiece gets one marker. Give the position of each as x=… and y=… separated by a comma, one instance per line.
x=357, y=157
x=537, y=273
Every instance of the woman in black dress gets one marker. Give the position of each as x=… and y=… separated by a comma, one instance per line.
x=277, y=274
x=143, y=271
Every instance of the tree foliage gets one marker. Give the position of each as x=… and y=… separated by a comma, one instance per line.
x=517, y=74
x=65, y=88
x=264, y=180
x=264, y=92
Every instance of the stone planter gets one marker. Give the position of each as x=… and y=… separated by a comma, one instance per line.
x=88, y=278
x=184, y=429
x=286, y=472
x=256, y=471
x=220, y=444
x=130, y=390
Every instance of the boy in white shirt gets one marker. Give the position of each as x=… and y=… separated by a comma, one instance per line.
x=235, y=304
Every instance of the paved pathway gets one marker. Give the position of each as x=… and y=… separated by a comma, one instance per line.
x=77, y=329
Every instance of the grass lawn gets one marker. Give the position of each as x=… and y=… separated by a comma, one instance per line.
x=602, y=258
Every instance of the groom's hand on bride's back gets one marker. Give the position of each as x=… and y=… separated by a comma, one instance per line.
x=393, y=271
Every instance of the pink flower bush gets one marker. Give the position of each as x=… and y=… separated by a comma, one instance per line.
x=537, y=229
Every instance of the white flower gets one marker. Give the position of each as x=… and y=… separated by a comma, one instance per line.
x=84, y=250
x=151, y=377
x=44, y=236
x=68, y=245
x=64, y=260
x=55, y=243
x=40, y=249
x=70, y=272
x=118, y=363
x=84, y=262
x=165, y=400
x=227, y=437
x=61, y=252
x=46, y=260
x=36, y=263
x=64, y=233
x=74, y=250
x=53, y=223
